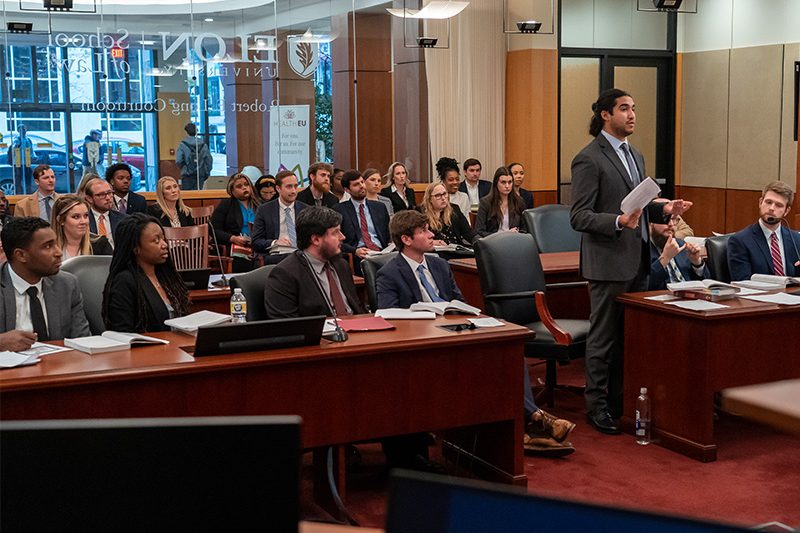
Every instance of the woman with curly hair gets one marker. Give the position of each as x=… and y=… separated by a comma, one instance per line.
x=143, y=288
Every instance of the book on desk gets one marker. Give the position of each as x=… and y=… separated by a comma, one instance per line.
x=705, y=289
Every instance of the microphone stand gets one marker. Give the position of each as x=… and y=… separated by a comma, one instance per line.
x=223, y=281
x=340, y=335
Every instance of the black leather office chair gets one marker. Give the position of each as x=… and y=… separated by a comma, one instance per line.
x=513, y=286
x=252, y=285
x=717, y=257
x=370, y=267
x=549, y=225
x=92, y=272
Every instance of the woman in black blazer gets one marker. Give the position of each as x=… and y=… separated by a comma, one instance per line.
x=518, y=173
x=143, y=288
x=169, y=208
x=501, y=209
x=398, y=192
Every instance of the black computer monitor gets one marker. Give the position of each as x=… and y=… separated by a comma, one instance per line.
x=159, y=474
x=427, y=503
x=196, y=279
x=258, y=335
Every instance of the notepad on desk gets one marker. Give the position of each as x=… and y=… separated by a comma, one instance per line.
x=440, y=308
x=110, y=341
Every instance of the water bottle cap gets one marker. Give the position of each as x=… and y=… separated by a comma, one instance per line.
x=643, y=390
x=237, y=289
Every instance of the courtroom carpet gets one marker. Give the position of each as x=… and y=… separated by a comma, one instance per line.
x=756, y=477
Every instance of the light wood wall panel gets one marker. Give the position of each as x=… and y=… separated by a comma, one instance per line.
x=708, y=213
x=789, y=147
x=532, y=115
x=580, y=84
x=755, y=116
x=741, y=209
x=704, y=124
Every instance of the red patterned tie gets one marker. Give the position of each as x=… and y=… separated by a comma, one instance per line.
x=777, y=261
x=362, y=218
x=339, y=304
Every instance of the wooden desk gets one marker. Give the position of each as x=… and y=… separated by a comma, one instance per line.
x=775, y=404
x=560, y=267
x=684, y=357
x=417, y=377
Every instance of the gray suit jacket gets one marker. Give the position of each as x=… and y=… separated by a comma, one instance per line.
x=599, y=183
x=62, y=297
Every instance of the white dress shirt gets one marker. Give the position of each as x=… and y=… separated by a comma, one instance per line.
x=473, y=192
x=22, y=301
x=414, y=265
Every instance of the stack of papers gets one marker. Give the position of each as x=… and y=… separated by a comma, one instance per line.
x=395, y=313
x=780, y=298
x=190, y=323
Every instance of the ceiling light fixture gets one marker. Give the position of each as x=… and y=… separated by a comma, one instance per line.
x=436, y=9
x=209, y=19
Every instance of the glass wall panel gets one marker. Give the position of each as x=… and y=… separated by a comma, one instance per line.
x=611, y=24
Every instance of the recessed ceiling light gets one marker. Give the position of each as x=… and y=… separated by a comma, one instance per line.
x=209, y=19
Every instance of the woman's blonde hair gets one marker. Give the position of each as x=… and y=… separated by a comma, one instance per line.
x=61, y=208
x=179, y=205
x=436, y=223
x=390, y=174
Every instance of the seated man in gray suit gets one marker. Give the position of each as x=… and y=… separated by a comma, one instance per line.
x=413, y=277
x=39, y=302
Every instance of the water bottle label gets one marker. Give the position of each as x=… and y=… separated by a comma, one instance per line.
x=238, y=308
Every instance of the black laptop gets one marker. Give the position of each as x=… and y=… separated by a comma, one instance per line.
x=258, y=335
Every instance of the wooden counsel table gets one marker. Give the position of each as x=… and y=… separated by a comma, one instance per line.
x=570, y=301
x=417, y=377
x=775, y=404
x=683, y=357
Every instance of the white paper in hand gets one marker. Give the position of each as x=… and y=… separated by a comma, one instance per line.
x=639, y=197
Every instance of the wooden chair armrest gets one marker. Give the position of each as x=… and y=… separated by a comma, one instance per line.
x=560, y=335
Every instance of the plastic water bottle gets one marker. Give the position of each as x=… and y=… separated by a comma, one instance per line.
x=643, y=417
x=238, y=307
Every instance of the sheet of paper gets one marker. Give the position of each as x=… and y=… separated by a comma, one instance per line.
x=486, y=322
x=639, y=197
x=40, y=348
x=744, y=291
x=697, y=305
x=394, y=313
x=662, y=298
x=12, y=359
x=700, y=242
x=780, y=298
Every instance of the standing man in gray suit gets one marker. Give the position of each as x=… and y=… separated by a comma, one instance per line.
x=614, y=246
x=39, y=303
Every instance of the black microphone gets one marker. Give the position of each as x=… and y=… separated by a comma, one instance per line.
x=223, y=281
x=340, y=335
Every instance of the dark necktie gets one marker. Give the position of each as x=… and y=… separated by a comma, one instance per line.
x=633, y=173
x=432, y=293
x=318, y=202
x=365, y=236
x=47, y=208
x=336, y=295
x=37, y=315
x=122, y=206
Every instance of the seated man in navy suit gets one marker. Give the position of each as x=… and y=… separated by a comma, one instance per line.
x=125, y=201
x=103, y=219
x=473, y=186
x=413, y=277
x=765, y=247
x=275, y=225
x=365, y=223
x=672, y=260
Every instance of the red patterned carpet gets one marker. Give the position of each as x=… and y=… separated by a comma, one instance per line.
x=755, y=479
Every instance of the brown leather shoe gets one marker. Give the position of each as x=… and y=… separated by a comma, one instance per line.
x=544, y=424
x=545, y=446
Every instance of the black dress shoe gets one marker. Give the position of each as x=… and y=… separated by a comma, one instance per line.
x=603, y=423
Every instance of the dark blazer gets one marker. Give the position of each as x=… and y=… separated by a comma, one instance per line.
x=749, y=254
x=659, y=276
x=351, y=227
x=136, y=203
x=397, y=284
x=155, y=210
x=484, y=187
x=113, y=216
x=328, y=199
x=599, y=183
x=100, y=245
x=458, y=232
x=290, y=290
x=486, y=225
x=62, y=298
x=123, y=310
x=397, y=202
x=267, y=225
x=527, y=198
x=227, y=220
